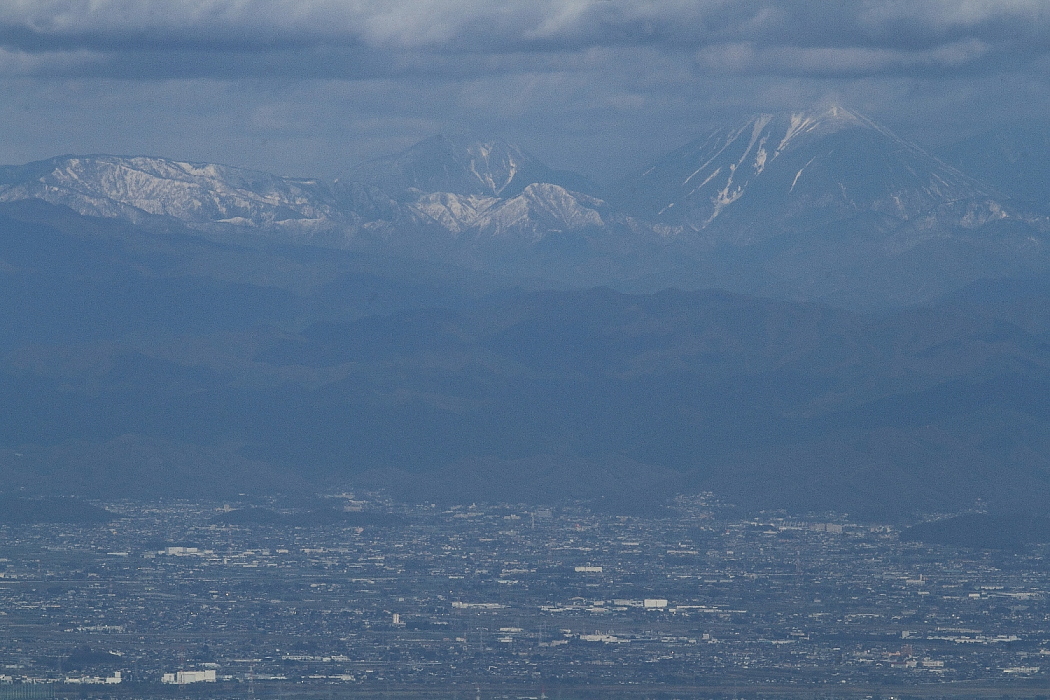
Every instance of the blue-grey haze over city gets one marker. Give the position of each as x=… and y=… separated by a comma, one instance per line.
x=524, y=349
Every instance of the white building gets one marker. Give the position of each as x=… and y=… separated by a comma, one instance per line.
x=186, y=677
x=91, y=680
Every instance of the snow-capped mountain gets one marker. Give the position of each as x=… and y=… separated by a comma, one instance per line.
x=195, y=193
x=456, y=213
x=789, y=172
x=539, y=210
x=476, y=188
x=824, y=205
x=491, y=168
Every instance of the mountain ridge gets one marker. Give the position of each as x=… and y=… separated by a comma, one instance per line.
x=142, y=362
x=462, y=165
x=698, y=184
x=748, y=208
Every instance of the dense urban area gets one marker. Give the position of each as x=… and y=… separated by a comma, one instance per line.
x=216, y=600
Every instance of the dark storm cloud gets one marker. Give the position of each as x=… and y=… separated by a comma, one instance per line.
x=457, y=38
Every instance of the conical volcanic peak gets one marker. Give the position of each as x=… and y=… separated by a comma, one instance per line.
x=825, y=204
x=822, y=165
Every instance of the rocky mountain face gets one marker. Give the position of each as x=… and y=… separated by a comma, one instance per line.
x=461, y=166
x=824, y=206
x=540, y=209
x=473, y=189
x=195, y=193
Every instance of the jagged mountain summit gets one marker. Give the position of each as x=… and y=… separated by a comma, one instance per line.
x=540, y=210
x=459, y=165
x=825, y=205
x=201, y=195
x=142, y=359
x=788, y=172
x=472, y=190
x=114, y=186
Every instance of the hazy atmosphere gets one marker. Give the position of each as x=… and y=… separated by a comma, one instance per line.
x=311, y=87
x=534, y=349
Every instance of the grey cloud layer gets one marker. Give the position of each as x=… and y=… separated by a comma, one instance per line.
x=310, y=87
x=357, y=39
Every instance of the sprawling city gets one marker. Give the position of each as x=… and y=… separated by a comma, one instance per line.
x=525, y=350
x=510, y=601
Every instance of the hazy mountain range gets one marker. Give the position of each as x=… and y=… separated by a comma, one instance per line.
x=458, y=311
x=825, y=206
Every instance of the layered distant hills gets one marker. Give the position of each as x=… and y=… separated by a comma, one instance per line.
x=826, y=206
x=799, y=311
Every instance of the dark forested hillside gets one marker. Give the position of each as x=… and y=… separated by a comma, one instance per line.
x=143, y=362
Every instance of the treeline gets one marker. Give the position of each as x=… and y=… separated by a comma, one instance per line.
x=16, y=510
x=982, y=531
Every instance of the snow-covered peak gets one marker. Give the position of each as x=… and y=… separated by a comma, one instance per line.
x=831, y=119
x=195, y=193
x=459, y=165
x=542, y=209
x=495, y=164
x=830, y=162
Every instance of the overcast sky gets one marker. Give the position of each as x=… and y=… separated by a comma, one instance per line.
x=309, y=87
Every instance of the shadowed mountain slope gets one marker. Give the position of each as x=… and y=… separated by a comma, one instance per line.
x=1012, y=157
x=800, y=170
x=140, y=362
x=458, y=165
x=813, y=206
